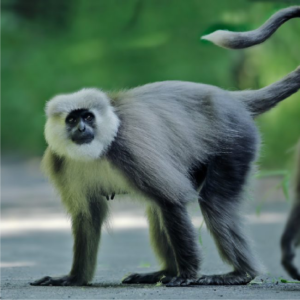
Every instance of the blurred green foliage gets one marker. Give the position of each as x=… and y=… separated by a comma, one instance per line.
x=60, y=46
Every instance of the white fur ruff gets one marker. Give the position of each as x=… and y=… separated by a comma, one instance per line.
x=107, y=124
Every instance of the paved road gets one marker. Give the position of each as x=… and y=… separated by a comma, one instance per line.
x=36, y=241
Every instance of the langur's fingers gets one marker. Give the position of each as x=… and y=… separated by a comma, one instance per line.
x=47, y=282
x=40, y=281
x=179, y=281
x=130, y=279
x=166, y=279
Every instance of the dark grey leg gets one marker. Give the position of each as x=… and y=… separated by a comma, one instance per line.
x=232, y=244
x=177, y=238
x=290, y=239
x=182, y=237
x=86, y=231
x=163, y=251
x=219, y=201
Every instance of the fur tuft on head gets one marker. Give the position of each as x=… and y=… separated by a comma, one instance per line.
x=107, y=124
x=90, y=98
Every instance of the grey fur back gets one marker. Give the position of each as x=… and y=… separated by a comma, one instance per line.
x=197, y=119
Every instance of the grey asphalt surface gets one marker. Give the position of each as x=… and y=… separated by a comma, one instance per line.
x=36, y=241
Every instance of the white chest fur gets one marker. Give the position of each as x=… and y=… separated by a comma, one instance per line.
x=99, y=176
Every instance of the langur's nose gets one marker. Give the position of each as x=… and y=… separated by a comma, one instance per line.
x=81, y=127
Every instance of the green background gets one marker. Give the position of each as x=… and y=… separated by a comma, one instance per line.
x=51, y=47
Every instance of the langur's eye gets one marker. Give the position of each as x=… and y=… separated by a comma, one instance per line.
x=71, y=120
x=89, y=117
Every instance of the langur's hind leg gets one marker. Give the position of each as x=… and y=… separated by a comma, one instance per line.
x=219, y=200
x=163, y=251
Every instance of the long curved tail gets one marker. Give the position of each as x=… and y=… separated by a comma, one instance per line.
x=260, y=101
x=240, y=40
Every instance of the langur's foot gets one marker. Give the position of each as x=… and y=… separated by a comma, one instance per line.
x=153, y=277
x=59, y=281
x=179, y=281
x=232, y=278
x=289, y=266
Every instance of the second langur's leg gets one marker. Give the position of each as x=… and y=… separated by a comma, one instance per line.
x=291, y=235
x=86, y=229
x=219, y=202
x=290, y=240
x=162, y=248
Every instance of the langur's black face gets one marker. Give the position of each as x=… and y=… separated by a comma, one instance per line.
x=81, y=126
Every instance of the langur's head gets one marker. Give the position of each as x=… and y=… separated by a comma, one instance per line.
x=80, y=125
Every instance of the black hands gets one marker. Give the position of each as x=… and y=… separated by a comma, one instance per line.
x=59, y=281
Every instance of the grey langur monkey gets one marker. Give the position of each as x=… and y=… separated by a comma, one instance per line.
x=291, y=235
x=169, y=143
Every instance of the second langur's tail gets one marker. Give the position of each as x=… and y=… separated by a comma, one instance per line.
x=240, y=40
x=259, y=101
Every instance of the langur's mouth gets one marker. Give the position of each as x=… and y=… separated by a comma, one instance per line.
x=82, y=139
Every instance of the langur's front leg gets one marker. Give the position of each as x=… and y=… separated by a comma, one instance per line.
x=86, y=229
